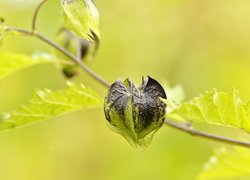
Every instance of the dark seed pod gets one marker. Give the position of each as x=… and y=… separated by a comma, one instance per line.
x=81, y=48
x=135, y=113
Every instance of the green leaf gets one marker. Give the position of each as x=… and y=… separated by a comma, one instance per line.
x=215, y=108
x=175, y=93
x=176, y=96
x=10, y=63
x=82, y=18
x=227, y=164
x=47, y=104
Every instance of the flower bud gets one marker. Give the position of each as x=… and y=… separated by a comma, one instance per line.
x=135, y=113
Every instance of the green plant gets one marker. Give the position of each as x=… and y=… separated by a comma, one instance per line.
x=212, y=107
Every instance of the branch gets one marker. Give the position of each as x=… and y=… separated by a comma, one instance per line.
x=64, y=51
x=188, y=129
x=35, y=15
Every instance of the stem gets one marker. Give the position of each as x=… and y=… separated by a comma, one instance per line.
x=35, y=15
x=64, y=51
x=188, y=129
x=78, y=48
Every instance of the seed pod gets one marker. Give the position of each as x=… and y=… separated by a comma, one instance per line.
x=82, y=18
x=79, y=47
x=135, y=113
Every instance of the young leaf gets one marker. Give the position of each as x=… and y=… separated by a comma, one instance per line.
x=82, y=18
x=176, y=96
x=227, y=164
x=10, y=63
x=215, y=108
x=47, y=104
x=175, y=93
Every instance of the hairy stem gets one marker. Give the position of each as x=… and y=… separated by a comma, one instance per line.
x=188, y=129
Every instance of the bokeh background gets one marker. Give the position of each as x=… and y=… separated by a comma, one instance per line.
x=198, y=44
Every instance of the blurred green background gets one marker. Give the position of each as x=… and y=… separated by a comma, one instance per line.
x=198, y=44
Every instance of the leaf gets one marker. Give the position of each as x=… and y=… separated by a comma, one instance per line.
x=176, y=96
x=82, y=18
x=227, y=164
x=135, y=113
x=47, y=104
x=215, y=107
x=10, y=63
x=175, y=93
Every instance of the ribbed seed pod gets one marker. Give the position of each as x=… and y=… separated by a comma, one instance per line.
x=135, y=113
